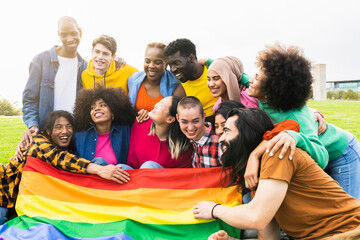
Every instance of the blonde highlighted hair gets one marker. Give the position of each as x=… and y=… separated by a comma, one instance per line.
x=176, y=141
x=159, y=45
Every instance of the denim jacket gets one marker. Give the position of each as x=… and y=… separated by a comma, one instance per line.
x=168, y=84
x=38, y=95
x=85, y=142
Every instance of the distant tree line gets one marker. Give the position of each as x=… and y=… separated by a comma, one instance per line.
x=8, y=108
x=343, y=95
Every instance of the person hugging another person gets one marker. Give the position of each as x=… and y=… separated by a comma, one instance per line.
x=159, y=142
x=282, y=85
x=102, y=69
x=53, y=146
x=148, y=87
x=191, y=117
x=183, y=62
x=296, y=195
x=103, y=119
x=52, y=74
x=225, y=76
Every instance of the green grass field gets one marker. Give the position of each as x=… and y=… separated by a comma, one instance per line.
x=11, y=129
x=344, y=114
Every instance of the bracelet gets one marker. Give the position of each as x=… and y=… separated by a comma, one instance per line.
x=212, y=211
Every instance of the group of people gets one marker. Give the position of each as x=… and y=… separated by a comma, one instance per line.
x=104, y=117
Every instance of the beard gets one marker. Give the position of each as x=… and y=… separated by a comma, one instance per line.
x=235, y=159
x=232, y=152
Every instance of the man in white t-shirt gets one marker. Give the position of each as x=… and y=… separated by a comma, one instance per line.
x=54, y=78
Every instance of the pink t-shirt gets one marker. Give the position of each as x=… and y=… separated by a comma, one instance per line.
x=245, y=99
x=104, y=148
x=144, y=148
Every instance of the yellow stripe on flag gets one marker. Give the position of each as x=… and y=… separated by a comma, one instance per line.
x=35, y=206
x=142, y=197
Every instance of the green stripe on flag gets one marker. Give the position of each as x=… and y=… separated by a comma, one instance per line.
x=131, y=228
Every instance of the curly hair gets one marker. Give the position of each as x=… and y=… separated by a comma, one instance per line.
x=185, y=46
x=115, y=98
x=286, y=77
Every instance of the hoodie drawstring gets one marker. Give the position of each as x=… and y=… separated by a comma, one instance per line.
x=104, y=80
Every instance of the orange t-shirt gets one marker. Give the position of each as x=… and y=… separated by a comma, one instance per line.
x=315, y=206
x=144, y=101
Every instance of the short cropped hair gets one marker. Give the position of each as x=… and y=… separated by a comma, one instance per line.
x=190, y=102
x=286, y=77
x=107, y=41
x=67, y=19
x=182, y=45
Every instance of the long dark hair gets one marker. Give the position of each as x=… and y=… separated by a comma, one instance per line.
x=115, y=98
x=226, y=106
x=51, y=119
x=252, y=124
x=176, y=141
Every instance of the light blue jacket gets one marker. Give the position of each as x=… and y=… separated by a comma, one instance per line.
x=38, y=95
x=168, y=84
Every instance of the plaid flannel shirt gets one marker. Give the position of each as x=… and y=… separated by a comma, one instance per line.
x=207, y=151
x=43, y=149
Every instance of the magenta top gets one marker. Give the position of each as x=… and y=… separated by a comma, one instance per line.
x=104, y=148
x=144, y=148
x=245, y=99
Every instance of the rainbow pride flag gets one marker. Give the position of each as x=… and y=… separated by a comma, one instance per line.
x=155, y=204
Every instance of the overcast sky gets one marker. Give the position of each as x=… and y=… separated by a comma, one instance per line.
x=328, y=31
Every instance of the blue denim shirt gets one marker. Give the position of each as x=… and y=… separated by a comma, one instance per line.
x=85, y=142
x=38, y=95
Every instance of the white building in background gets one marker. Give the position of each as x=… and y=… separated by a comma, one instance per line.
x=321, y=85
x=335, y=85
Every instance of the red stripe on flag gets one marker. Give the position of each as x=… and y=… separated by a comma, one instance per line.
x=180, y=178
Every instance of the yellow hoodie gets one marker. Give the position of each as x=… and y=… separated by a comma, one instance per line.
x=111, y=78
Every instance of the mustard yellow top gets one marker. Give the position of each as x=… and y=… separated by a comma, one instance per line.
x=198, y=88
x=111, y=78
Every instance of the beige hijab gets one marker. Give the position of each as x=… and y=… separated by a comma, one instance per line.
x=230, y=69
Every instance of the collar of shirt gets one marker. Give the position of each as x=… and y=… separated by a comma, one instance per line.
x=205, y=138
x=114, y=127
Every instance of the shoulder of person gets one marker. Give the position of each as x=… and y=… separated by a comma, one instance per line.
x=300, y=157
x=130, y=68
x=135, y=76
x=43, y=56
